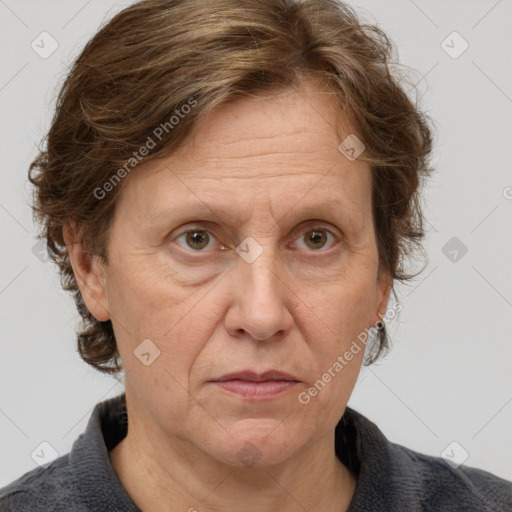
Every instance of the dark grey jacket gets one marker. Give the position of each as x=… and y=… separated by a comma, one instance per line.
x=390, y=477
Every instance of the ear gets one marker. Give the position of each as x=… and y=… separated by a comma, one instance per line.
x=384, y=285
x=89, y=273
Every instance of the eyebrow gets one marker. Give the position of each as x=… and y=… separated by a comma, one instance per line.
x=344, y=212
x=335, y=208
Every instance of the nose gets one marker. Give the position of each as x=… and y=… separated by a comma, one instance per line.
x=261, y=300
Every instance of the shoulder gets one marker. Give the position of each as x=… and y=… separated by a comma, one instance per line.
x=444, y=487
x=46, y=488
x=394, y=477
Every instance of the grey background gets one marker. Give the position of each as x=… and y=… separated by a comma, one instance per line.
x=448, y=377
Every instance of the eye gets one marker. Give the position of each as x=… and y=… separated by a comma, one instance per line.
x=316, y=238
x=200, y=239
x=196, y=239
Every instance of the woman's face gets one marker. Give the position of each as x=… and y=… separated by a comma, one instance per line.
x=280, y=274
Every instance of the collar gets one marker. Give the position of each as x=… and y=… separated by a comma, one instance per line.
x=359, y=444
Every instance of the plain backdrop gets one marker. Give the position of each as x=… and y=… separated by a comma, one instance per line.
x=448, y=377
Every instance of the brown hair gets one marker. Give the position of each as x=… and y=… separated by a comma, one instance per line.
x=154, y=56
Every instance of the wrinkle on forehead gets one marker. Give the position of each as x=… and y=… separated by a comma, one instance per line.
x=285, y=150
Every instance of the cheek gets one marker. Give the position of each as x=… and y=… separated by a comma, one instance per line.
x=145, y=304
x=335, y=322
x=338, y=311
x=148, y=303
x=331, y=352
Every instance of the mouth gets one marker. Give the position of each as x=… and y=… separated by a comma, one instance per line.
x=253, y=386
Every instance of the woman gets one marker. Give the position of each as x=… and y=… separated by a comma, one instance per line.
x=228, y=189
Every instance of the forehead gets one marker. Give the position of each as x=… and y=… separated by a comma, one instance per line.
x=213, y=205
x=298, y=121
x=280, y=152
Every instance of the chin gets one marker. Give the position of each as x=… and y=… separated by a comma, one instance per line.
x=256, y=442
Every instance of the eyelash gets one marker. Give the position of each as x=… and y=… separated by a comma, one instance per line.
x=314, y=228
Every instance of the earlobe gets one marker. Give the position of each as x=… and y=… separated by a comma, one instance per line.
x=89, y=274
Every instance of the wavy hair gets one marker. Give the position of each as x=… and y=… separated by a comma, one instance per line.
x=144, y=64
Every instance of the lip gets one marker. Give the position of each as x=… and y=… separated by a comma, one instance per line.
x=253, y=386
x=249, y=375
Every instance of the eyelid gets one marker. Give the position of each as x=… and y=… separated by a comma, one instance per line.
x=193, y=228
x=201, y=225
x=304, y=227
x=319, y=227
x=308, y=224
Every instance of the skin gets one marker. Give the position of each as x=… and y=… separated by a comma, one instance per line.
x=254, y=167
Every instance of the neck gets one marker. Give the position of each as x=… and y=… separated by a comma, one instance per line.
x=162, y=474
